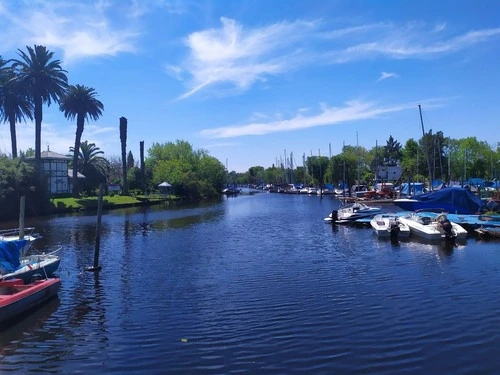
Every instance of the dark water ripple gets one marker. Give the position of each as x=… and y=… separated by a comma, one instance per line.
x=258, y=284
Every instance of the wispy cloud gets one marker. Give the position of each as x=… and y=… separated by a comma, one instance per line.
x=237, y=57
x=80, y=30
x=385, y=75
x=351, y=111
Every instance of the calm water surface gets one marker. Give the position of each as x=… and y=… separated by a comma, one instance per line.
x=258, y=284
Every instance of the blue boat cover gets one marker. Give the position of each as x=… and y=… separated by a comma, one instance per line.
x=10, y=252
x=460, y=198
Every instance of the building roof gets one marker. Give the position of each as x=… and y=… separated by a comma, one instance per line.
x=78, y=174
x=50, y=155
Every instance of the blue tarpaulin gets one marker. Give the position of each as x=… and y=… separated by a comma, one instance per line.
x=454, y=200
x=10, y=252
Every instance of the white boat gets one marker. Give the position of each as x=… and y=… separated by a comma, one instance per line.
x=389, y=225
x=432, y=226
x=352, y=212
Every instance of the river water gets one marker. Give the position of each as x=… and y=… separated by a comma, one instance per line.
x=257, y=284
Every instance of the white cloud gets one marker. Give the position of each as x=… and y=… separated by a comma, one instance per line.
x=385, y=75
x=241, y=56
x=352, y=111
x=80, y=30
x=237, y=57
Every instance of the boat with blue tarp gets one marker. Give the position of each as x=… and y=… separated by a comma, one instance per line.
x=453, y=200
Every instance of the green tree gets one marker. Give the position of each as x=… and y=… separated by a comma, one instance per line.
x=44, y=80
x=18, y=178
x=392, y=152
x=92, y=165
x=15, y=104
x=130, y=160
x=80, y=101
x=192, y=173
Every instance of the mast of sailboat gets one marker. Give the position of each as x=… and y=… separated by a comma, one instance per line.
x=343, y=172
x=357, y=151
x=425, y=146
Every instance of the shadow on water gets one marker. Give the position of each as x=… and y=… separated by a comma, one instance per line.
x=28, y=323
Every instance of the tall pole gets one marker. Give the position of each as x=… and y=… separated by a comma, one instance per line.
x=425, y=146
x=96, y=266
x=357, y=151
x=143, y=175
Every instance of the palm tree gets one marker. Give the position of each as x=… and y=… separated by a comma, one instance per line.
x=80, y=102
x=15, y=104
x=91, y=164
x=44, y=80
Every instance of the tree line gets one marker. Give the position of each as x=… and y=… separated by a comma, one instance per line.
x=432, y=157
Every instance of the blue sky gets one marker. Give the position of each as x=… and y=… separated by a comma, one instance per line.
x=247, y=80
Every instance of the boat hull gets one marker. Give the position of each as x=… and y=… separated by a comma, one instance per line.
x=26, y=298
x=430, y=229
x=386, y=226
x=33, y=266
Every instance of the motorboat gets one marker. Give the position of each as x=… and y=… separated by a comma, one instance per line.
x=14, y=265
x=453, y=199
x=352, y=212
x=433, y=226
x=18, y=298
x=389, y=225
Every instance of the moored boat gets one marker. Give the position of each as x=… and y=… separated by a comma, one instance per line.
x=454, y=200
x=352, y=212
x=13, y=265
x=433, y=226
x=389, y=225
x=15, y=234
x=17, y=298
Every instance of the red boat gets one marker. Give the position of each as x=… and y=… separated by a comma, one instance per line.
x=17, y=298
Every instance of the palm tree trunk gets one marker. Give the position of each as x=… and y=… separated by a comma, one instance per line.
x=141, y=149
x=78, y=137
x=123, y=139
x=13, y=139
x=38, y=131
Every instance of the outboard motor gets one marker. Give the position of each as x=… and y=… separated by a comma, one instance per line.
x=447, y=228
x=335, y=216
x=394, y=227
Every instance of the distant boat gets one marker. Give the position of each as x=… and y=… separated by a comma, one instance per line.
x=231, y=190
x=389, y=225
x=453, y=200
x=17, y=298
x=433, y=226
x=352, y=212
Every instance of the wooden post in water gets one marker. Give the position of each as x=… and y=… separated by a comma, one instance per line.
x=22, y=206
x=96, y=266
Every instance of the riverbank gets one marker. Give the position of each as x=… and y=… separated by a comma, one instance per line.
x=67, y=205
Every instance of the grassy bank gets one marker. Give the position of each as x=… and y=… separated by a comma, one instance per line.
x=109, y=202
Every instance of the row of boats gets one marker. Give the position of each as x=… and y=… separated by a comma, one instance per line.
x=26, y=278
x=426, y=224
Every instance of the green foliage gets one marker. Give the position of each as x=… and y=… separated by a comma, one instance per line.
x=92, y=165
x=392, y=152
x=192, y=173
x=18, y=178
